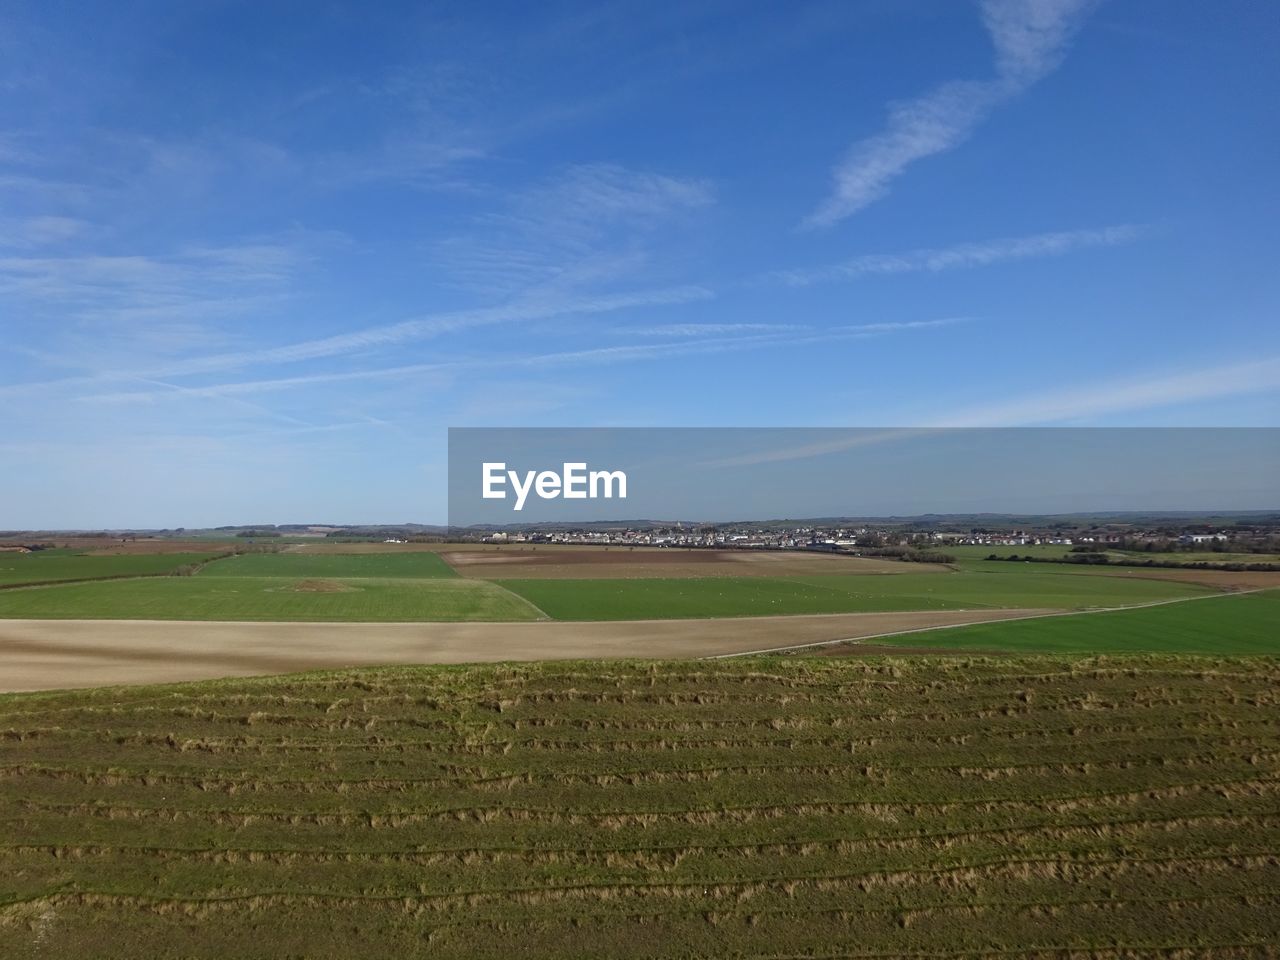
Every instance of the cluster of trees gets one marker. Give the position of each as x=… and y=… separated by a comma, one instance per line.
x=1265, y=544
x=907, y=554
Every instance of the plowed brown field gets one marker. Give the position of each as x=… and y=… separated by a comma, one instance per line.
x=598, y=563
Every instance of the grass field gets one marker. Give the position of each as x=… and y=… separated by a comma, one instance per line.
x=420, y=586
x=378, y=565
x=741, y=596
x=784, y=807
x=968, y=551
x=1245, y=624
x=46, y=565
x=269, y=598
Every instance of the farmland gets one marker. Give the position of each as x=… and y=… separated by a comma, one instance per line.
x=55, y=654
x=1244, y=624
x=218, y=596
x=270, y=598
x=416, y=565
x=576, y=563
x=52, y=565
x=766, y=807
x=249, y=613
x=729, y=596
x=423, y=585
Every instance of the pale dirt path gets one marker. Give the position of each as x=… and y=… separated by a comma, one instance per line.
x=57, y=654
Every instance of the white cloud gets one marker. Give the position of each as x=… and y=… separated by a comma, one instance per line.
x=919, y=128
x=592, y=193
x=39, y=231
x=591, y=224
x=963, y=255
x=532, y=308
x=874, y=328
x=372, y=339
x=118, y=315
x=1030, y=38
x=97, y=285
x=706, y=329
x=1108, y=398
x=592, y=356
x=1091, y=400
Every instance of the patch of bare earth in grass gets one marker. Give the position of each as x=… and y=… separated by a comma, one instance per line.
x=320, y=586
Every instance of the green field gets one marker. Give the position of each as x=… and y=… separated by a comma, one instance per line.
x=760, y=596
x=47, y=565
x=1245, y=624
x=966, y=551
x=269, y=598
x=329, y=591
x=769, y=807
x=419, y=564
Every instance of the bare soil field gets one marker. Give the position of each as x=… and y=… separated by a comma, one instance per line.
x=623, y=564
x=134, y=548
x=50, y=655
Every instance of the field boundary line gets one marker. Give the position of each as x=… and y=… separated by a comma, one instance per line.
x=856, y=641
x=542, y=614
x=109, y=578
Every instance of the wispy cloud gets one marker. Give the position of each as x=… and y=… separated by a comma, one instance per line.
x=29, y=232
x=533, y=308
x=105, y=285
x=706, y=329
x=1030, y=39
x=870, y=329
x=961, y=256
x=1111, y=397
x=1031, y=36
x=1096, y=400
x=588, y=225
x=107, y=312
x=807, y=451
x=372, y=339
x=592, y=356
x=781, y=329
x=591, y=194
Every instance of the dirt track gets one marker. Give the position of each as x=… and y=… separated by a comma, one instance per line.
x=54, y=654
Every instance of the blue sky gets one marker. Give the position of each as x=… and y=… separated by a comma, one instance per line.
x=256, y=258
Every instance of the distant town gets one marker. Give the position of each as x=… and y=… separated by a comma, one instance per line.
x=1224, y=537
x=906, y=541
